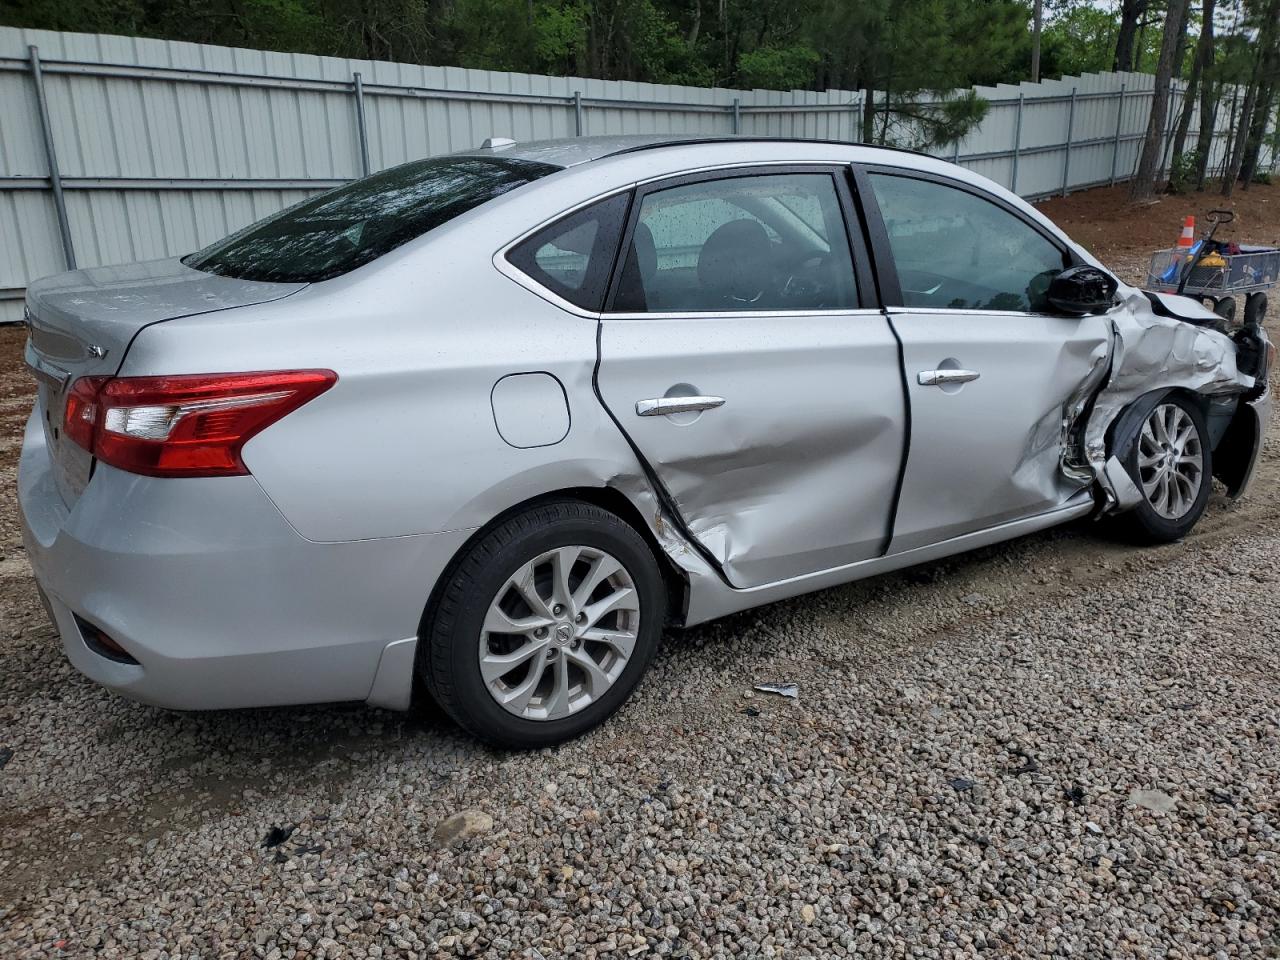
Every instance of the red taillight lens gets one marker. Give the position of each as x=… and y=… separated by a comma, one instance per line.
x=184, y=426
x=81, y=413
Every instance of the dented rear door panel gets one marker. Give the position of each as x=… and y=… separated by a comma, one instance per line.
x=796, y=471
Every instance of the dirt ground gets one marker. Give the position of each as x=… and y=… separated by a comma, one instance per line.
x=1124, y=236
x=125, y=829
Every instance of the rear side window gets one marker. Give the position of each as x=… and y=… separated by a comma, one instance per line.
x=573, y=256
x=337, y=231
x=762, y=243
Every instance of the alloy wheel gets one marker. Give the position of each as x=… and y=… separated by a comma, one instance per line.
x=1170, y=461
x=559, y=633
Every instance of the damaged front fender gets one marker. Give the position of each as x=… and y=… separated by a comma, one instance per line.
x=1154, y=353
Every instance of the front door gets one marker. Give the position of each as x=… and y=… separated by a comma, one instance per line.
x=742, y=357
x=990, y=372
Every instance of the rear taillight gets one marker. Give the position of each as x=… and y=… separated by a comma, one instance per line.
x=82, y=410
x=184, y=426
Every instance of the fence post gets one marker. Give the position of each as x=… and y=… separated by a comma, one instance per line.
x=1115, y=147
x=737, y=114
x=358, y=85
x=1066, y=160
x=577, y=112
x=1017, y=141
x=55, y=175
x=855, y=134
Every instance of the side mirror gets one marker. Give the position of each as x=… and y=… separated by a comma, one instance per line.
x=1082, y=290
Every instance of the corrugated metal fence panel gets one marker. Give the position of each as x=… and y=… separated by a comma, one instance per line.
x=164, y=146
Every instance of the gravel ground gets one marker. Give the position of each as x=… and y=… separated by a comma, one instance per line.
x=1058, y=746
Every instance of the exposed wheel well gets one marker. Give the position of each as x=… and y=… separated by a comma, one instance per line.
x=1232, y=431
x=1124, y=428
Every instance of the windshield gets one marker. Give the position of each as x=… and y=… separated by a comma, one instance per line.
x=344, y=228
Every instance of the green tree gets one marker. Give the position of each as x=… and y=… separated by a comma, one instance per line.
x=1078, y=39
x=1143, y=185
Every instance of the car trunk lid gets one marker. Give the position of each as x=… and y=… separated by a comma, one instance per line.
x=80, y=324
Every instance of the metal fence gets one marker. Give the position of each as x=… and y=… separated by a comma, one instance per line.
x=115, y=149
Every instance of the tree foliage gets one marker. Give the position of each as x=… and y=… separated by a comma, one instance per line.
x=911, y=53
x=917, y=57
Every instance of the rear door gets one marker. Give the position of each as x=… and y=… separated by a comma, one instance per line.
x=990, y=370
x=744, y=355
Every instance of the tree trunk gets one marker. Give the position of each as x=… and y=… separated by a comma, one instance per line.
x=1131, y=12
x=1037, y=23
x=1231, y=126
x=1257, y=133
x=1208, y=99
x=1144, y=181
x=1237, y=147
x=1268, y=76
x=1180, y=54
x=1204, y=139
x=1203, y=54
x=1263, y=67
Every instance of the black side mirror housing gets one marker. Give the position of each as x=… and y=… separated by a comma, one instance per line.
x=1082, y=290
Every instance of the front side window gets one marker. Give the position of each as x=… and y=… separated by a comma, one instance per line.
x=955, y=250
x=572, y=257
x=761, y=243
x=351, y=225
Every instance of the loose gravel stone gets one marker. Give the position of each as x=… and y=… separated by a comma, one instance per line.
x=463, y=826
x=1157, y=801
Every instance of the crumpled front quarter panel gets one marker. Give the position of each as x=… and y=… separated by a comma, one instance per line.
x=1154, y=353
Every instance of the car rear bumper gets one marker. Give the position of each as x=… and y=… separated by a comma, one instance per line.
x=218, y=599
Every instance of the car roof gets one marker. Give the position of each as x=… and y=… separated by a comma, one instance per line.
x=572, y=151
x=623, y=161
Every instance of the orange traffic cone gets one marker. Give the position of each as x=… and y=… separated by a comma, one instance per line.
x=1188, y=238
x=1185, y=242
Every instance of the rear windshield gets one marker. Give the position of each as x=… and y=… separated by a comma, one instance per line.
x=344, y=228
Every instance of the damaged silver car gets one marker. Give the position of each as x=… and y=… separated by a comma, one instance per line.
x=479, y=427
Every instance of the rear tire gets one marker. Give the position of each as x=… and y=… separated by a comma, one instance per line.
x=1172, y=466
x=527, y=598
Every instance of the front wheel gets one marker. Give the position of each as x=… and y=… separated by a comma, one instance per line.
x=1171, y=463
x=544, y=626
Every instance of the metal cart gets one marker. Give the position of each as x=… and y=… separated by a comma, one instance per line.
x=1250, y=270
x=1208, y=273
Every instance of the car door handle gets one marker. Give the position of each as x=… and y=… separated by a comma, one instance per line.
x=665, y=406
x=936, y=378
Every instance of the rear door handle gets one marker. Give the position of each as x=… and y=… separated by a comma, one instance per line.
x=665, y=406
x=936, y=378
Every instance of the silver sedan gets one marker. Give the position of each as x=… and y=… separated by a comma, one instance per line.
x=479, y=427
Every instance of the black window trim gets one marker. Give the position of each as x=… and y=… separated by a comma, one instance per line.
x=886, y=266
x=838, y=172
x=532, y=284
x=509, y=252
